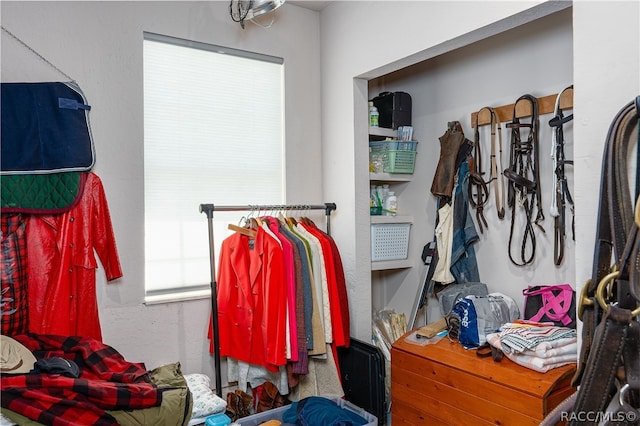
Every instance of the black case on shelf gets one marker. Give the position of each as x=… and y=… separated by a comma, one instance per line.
x=362, y=367
x=394, y=109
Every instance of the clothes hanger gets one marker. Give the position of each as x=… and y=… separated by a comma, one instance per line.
x=244, y=230
x=303, y=216
x=257, y=218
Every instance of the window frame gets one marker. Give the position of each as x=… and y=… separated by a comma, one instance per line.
x=185, y=291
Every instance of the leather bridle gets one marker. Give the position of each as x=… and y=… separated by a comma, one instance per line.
x=478, y=187
x=561, y=194
x=524, y=179
x=609, y=305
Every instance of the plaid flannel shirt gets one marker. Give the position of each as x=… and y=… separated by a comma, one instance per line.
x=107, y=382
x=13, y=272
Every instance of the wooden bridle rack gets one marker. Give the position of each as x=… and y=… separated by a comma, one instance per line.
x=546, y=105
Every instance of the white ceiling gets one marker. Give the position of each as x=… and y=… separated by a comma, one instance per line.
x=310, y=4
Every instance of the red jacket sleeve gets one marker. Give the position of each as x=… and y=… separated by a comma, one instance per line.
x=104, y=240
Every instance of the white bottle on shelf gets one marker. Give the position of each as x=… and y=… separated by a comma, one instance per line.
x=384, y=193
x=391, y=204
x=373, y=115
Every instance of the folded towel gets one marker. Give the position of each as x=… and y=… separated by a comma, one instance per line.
x=554, y=358
x=546, y=350
x=519, y=339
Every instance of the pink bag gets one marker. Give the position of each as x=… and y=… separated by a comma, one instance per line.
x=551, y=303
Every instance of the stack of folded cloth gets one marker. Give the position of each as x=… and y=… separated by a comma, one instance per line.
x=539, y=346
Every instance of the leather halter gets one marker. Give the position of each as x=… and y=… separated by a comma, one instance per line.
x=478, y=187
x=561, y=194
x=524, y=179
x=610, y=333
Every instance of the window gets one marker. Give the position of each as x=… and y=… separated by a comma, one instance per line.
x=213, y=133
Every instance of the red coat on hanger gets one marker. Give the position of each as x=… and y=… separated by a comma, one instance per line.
x=62, y=265
x=252, y=300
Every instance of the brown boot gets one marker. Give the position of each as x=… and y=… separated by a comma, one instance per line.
x=245, y=403
x=270, y=398
x=232, y=406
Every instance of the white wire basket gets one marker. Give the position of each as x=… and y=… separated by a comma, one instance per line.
x=389, y=241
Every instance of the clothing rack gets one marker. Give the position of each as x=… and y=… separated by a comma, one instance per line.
x=208, y=209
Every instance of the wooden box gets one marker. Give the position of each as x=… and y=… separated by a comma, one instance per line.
x=444, y=383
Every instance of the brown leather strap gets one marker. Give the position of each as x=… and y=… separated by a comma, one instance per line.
x=478, y=189
x=615, y=217
x=598, y=384
x=478, y=198
x=478, y=186
x=606, y=347
x=523, y=179
x=560, y=194
x=487, y=350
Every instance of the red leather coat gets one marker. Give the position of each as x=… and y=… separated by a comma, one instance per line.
x=62, y=265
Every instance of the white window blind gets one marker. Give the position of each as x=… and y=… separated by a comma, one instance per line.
x=213, y=133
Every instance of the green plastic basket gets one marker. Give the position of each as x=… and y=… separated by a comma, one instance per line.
x=393, y=145
x=399, y=161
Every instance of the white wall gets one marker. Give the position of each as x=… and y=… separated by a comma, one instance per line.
x=99, y=44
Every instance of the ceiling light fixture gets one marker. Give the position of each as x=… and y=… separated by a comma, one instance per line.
x=241, y=10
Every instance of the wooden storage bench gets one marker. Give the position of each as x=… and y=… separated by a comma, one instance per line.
x=444, y=383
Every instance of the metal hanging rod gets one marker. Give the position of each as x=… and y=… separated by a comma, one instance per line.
x=208, y=209
x=248, y=207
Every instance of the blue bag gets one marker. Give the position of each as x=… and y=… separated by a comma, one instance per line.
x=481, y=315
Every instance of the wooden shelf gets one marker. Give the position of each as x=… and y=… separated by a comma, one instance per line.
x=546, y=105
x=382, y=265
x=390, y=177
x=391, y=219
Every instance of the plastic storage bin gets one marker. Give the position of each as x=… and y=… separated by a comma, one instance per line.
x=389, y=241
x=220, y=419
x=397, y=156
x=399, y=161
x=277, y=413
x=393, y=145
